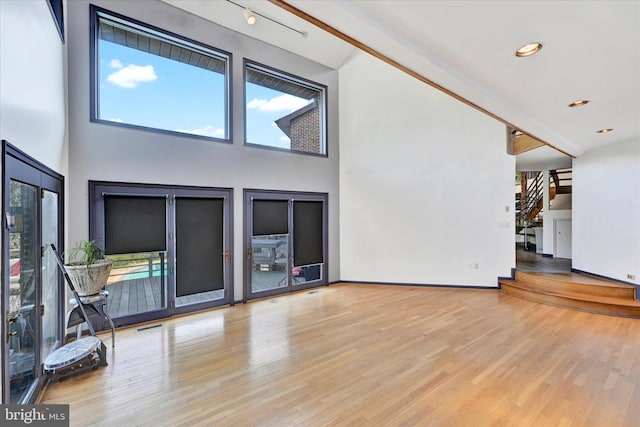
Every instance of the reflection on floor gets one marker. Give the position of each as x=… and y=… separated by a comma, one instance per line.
x=530, y=261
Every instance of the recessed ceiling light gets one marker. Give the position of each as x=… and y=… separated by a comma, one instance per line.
x=579, y=103
x=604, y=130
x=528, y=49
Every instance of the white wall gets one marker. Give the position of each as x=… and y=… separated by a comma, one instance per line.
x=606, y=211
x=32, y=92
x=111, y=153
x=425, y=183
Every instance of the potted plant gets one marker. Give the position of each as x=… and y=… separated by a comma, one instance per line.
x=87, y=267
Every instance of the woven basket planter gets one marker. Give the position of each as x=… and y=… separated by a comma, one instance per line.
x=89, y=280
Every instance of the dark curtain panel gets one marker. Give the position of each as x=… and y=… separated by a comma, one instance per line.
x=199, y=245
x=307, y=233
x=134, y=224
x=270, y=217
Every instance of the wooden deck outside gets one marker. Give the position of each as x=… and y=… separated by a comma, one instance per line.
x=134, y=296
x=140, y=295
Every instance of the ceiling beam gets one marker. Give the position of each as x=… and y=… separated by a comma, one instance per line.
x=525, y=143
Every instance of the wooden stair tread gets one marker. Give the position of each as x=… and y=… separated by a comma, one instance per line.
x=574, y=295
x=576, y=278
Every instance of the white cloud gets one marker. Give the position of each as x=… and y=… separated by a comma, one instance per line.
x=285, y=139
x=117, y=120
x=115, y=63
x=287, y=102
x=205, y=131
x=131, y=75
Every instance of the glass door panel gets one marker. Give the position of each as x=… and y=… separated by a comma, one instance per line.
x=137, y=283
x=135, y=238
x=306, y=273
x=200, y=253
x=23, y=322
x=50, y=276
x=308, y=241
x=269, y=244
x=269, y=262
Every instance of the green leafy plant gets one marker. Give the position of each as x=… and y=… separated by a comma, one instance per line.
x=85, y=252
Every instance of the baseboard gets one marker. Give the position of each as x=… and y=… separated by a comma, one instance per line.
x=426, y=285
x=547, y=255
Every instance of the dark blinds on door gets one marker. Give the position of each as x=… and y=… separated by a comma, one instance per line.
x=270, y=217
x=199, y=245
x=307, y=232
x=134, y=224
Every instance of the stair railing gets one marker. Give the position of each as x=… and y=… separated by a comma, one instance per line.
x=534, y=194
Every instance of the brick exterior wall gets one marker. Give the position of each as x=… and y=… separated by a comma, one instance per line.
x=305, y=132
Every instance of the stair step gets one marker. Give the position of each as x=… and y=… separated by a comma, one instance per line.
x=576, y=291
x=559, y=283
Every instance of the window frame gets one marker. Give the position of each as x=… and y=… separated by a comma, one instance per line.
x=57, y=13
x=176, y=39
x=324, y=126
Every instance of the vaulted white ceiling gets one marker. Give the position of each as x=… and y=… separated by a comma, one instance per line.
x=591, y=50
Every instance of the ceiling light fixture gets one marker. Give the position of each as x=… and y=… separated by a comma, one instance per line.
x=249, y=16
x=516, y=133
x=528, y=49
x=579, y=103
x=604, y=130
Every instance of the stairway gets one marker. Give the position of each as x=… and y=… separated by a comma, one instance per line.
x=529, y=201
x=575, y=291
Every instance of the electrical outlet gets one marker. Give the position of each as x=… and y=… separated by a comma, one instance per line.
x=631, y=276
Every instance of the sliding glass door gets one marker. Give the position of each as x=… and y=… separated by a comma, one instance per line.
x=31, y=283
x=170, y=246
x=286, y=242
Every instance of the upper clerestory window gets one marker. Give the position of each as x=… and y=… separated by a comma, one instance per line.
x=283, y=111
x=147, y=78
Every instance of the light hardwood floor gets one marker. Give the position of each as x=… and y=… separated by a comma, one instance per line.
x=371, y=356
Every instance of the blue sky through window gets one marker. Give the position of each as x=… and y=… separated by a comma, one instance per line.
x=148, y=90
x=144, y=89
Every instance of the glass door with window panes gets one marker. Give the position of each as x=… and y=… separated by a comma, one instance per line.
x=32, y=286
x=286, y=242
x=170, y=246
